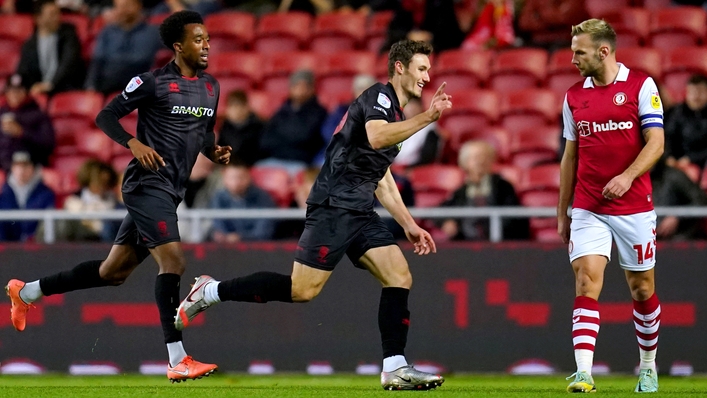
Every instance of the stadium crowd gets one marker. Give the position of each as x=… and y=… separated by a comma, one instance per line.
x=288, y=71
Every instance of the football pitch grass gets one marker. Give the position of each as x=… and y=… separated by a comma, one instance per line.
x=286, y=386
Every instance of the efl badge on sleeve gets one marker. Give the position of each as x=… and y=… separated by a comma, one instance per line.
x=384, y=100
x=135, y=82
x=655, y=100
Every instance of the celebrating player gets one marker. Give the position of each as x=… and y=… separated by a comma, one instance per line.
x=177, y=112
x=613, y=123
x=341, y=219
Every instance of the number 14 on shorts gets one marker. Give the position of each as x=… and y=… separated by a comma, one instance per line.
x=646, y=254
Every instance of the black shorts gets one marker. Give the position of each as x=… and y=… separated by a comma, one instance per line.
x=151, y=220
x=331, y=232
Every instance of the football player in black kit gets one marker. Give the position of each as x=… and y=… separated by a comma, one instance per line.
x=177, y=111
x=341, y=220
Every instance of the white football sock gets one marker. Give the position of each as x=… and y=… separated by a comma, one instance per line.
x=211, y=293
x=647, y=359
x=393, y=363
x=584, y=359
x=176, y=353
x=31, y=292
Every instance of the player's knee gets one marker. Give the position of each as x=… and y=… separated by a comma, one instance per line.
x=642, y=291
x=304, y=294
x=402, y=279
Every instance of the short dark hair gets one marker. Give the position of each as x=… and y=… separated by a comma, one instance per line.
x=697, y=79
x=39, y=5
x=172, y=28
x=403, y=51
x=237, y=96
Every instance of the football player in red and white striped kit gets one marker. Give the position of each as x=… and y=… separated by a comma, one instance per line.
x=613, y=123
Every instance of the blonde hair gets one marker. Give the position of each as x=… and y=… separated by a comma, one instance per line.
x=465, y=150
x=598, y=30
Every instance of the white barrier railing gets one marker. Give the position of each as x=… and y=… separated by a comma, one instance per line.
x=196, y=216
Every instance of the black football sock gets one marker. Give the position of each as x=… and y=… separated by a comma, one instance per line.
x=82, y=276
x=259, y=287
x=167, y=298
x=394, y=320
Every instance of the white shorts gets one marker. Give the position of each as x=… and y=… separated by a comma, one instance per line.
x=634, y=234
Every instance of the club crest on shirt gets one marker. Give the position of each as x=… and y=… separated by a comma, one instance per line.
x=655, y=100
x=583, y=128
x=384, y=100
x=619, y=98
x=134, y=83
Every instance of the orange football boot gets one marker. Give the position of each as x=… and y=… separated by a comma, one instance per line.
x=18, y=313
x=188, y=368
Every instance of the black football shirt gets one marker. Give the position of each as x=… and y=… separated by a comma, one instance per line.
x=352, y=168
x=176, y=117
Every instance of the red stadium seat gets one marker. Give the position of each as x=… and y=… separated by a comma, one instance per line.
x=498, y=137
x=646, y=60
x=96, y=144
x=265, y=104
x=337, y=71
x=376, y=30
x=631, y=26
x=332, y=99
x=534, y=145
x=242, y=69
x=434, y=183
x=529, y=108
x=462, y=69
x=691, y=170
x=540, y=178
x=15, y=28
x=97, y=24
x=654, y=4
x=230, y=30
x=677, y=27
x=8, y=66
x=562, y=73
x=61, y=184
x=678, y=65
x=335, y=31
x=120, y=163
x=510, y=173
x=518, y=69
x=275, y=181
x=82, y=24
x=2, y=179
x=279, y=66
x=541, y=227
x=600, y=8
x=74, y=112
x=472, y=110
x=162, y=58
x=282, y=32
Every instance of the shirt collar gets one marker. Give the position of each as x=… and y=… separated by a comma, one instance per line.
x=622, y=76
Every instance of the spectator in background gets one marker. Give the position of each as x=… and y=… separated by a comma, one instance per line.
x=292, y=229
x=203, y=7
x=17, y=6
x=686, y=126
x=23, y=190
x=313, y=7
x=482, y=188
x=367, y=7
x=360, y=83
x=239, y=193
x=672, y=187
x=432, y=21
x=423, y=146
x=23, y=126
x=242, y=129
x=493, y=28
x=51, y=61
x=98, y=183
x=292, y=137
x=123, y=49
